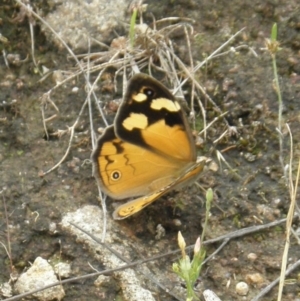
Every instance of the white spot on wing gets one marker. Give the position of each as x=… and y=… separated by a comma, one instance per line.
x=140, y=97
x=135, y=121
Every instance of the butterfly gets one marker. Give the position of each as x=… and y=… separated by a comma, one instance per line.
x=148, y=151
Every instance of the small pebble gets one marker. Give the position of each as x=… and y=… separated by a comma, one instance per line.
x=63, y=269
x=160, y=232
x=177, y=222
x=6, y=290
x=242, y=288
x=75, y=90
x=252, y=256
x=101, y=281
x=255, y=278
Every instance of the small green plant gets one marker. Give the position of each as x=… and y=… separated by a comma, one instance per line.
x=189, y=270
x=132, y=25
x=136, y=8
x=272, y=46
x=209, y=199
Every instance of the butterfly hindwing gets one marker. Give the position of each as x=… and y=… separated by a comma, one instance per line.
x=132, y=207
x=126, y=170
x=136, y=205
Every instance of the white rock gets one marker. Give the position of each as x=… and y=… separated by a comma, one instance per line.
x=77, y=20
x=6, y=289
x=63, y=269
x=89, y=219
x=210, y=296
x=101, y=280
x=38, y=276
x=252, y=256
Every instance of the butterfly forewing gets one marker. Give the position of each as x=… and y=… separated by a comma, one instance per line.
x=151, y=118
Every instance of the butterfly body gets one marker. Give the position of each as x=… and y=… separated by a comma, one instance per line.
x=148, y=151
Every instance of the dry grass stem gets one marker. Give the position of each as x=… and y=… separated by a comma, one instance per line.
x=293, y=195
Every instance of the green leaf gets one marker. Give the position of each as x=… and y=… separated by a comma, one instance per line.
x=274, y=32
x=132, y=24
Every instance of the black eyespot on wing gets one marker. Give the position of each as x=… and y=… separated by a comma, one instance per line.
x=115, y=175
x=149, y=92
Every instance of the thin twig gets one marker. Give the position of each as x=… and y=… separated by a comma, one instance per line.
x=120, y=256
x=267, y=289
x=8, y=250
x=232, y=235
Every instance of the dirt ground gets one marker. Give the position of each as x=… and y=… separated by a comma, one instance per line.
x=253, y=191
